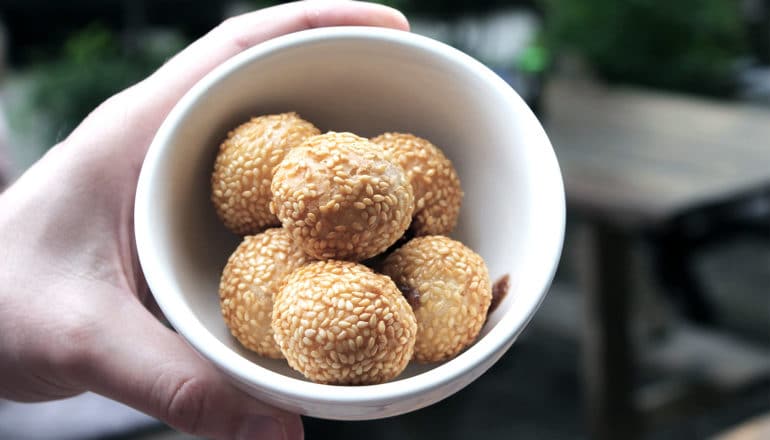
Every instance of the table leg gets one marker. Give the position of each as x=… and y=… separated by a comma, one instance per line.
x=607, y=350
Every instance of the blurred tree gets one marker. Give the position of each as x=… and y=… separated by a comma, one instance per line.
x=689, y=45
x=36, y=28
x=111, y=53
x=757, y=16
x=92, y=66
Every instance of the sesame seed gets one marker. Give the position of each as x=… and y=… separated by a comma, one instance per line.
x=346, y=355
x=351, y=170
x=453, y=305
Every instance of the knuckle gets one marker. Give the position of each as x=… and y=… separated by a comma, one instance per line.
x=185, y=405
x=230, y=30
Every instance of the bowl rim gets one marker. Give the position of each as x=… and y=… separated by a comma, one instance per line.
x=485, y=350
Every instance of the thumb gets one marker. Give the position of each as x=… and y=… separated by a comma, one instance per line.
x=149, y=367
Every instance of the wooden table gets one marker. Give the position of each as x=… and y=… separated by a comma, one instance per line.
x=633, y=160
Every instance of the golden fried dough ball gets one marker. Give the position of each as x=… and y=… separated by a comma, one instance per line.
x=249, y=281
x=341, y=197
x=437, y=191
x=338, y=322
x=448, y=286
x=243, y=170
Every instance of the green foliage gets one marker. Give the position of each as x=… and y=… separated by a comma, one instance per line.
x=91, y=67
x=689, y=45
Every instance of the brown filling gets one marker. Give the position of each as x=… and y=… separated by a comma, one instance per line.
x=411, y=294
x=499, y=291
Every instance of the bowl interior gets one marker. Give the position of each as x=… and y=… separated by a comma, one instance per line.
x=367, y=82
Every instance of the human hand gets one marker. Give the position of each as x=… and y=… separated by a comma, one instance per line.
x=74, y=309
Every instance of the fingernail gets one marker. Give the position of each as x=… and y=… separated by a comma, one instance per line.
x=262, y=427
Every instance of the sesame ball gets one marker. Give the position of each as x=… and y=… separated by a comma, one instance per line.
x=448, y=286
x=341, y=197
x=437, y=191
x=338, y=322
x=243, y=169
x=249, y=281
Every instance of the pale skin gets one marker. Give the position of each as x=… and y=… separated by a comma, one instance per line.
x=75, y=312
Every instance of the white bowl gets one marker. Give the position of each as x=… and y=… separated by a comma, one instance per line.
x=368, y=81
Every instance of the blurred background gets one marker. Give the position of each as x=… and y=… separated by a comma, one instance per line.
x=658, y=323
